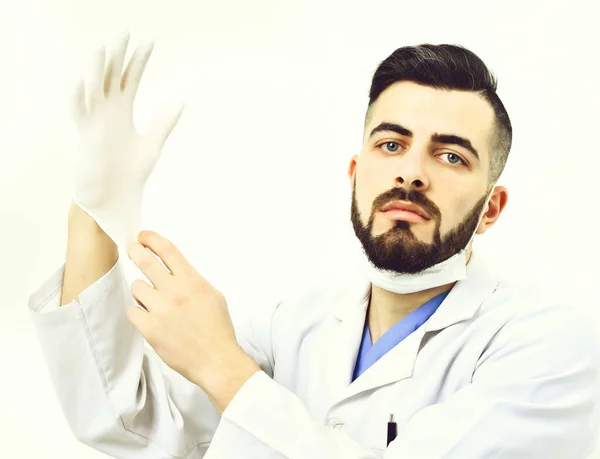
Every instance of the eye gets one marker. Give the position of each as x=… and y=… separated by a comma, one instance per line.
x=388, y=144
x=453, y=158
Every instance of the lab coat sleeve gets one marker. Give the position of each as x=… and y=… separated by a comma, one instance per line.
x=534, y=395
x=116, y=394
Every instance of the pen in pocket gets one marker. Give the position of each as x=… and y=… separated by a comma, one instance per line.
x=391, y=430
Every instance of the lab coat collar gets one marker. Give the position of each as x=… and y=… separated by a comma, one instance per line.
x=343, y=344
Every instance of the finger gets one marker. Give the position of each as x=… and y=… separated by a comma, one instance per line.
x=167, y=252
x=78, y=108
x=149, y=265
x=139, y=318
x=145, y=295
x=112, y=82
x=96, y=88
x=135, y=69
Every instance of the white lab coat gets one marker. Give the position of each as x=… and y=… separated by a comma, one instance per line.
x=494, y=373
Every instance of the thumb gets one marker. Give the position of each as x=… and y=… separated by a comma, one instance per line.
x=165, y=123
x=78, y=106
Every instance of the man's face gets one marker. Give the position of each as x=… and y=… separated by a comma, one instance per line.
x=446, y=180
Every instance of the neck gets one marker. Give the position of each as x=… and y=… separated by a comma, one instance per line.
x=388, y=308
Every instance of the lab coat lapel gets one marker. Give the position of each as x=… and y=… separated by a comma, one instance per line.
x=398, y=364
x=466, y=297
x=343, y=342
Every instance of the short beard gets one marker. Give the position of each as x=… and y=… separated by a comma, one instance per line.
x=398, y=249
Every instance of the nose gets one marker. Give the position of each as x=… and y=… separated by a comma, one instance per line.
x=412, y=173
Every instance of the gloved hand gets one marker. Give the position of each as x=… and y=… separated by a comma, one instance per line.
x=113, y=161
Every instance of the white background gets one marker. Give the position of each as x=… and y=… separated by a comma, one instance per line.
x=252, y=184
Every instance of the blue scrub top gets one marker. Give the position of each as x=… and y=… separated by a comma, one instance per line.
x=369, y=353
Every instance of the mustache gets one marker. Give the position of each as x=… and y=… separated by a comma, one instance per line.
x=413, y=196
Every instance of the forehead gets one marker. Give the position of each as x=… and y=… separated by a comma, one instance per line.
x=425, y=111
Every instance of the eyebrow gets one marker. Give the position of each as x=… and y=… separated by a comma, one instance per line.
x=450, y=139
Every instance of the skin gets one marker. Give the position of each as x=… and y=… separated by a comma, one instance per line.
x=446, y=179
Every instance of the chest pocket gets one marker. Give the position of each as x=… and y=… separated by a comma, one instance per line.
x=368, y=435
x=369, y=423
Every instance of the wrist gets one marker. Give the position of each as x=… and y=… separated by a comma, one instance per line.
x=222, y=384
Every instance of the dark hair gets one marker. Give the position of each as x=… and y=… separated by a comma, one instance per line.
x=450, y=67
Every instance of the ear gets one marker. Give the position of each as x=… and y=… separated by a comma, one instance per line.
x=495, y=207
x=352, y=169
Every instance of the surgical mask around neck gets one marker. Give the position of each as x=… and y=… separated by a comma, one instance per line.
x=450, y=270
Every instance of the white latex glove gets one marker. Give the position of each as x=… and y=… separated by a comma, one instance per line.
x=113, y=161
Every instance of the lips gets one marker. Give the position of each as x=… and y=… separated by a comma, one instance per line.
x=406, y=206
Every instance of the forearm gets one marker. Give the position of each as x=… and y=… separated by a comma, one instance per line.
x=91, y=253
